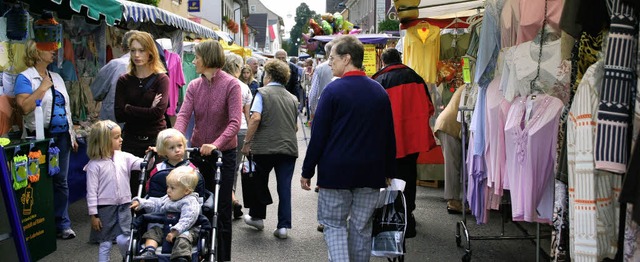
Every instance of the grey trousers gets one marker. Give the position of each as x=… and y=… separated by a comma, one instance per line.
x=452, y=152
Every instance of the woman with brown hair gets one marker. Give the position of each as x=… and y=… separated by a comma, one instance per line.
x=142, y=96
x=215, y=101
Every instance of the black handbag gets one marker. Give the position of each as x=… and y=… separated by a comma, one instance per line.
x=254, y=191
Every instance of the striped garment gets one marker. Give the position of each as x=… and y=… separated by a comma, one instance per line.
x=614, y=112
x=593, y=211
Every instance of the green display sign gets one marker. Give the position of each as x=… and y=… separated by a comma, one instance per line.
x=34, y=200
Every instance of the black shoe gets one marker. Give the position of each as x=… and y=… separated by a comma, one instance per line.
x=237, y=210
x=147, y=254
x=320, y=228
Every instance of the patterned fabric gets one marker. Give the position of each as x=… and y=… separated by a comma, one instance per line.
x=593, y=221
x=335, y=208
x=612, y=145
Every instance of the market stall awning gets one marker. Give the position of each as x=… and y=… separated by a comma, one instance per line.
x=110, y=9
x=364, y=38
x=140, y=13
x=225, y=36
x=431, y=8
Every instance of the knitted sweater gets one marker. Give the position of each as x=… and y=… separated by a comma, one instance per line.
x=352, y=139
x=217, y=104
x=189, y=208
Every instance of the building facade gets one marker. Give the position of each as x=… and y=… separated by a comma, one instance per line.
x=367, y=14
x=269, y=27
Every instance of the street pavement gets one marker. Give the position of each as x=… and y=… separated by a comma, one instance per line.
x=435, y=241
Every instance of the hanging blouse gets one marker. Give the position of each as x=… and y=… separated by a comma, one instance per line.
x=510, y=23
x=593, y=194
x=176, y=80
x=496, y=117
x=530, y=131
x=531, y=16
x=422, y=50
x=521, y=66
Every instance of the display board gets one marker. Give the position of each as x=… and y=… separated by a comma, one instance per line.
x=370, y=58
x=33, y=200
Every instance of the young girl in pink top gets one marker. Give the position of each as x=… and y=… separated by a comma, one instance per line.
x=108, y=192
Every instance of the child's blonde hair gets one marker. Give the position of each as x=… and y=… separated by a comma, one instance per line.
x=99, y=145
x=185, y=175
x=165, y=135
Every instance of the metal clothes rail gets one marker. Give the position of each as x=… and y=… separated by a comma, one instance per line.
x=461, y=226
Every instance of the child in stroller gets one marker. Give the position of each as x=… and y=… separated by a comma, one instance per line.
x=180, y=197
x=171, y=145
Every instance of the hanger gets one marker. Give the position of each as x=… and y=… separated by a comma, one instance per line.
x=455, y=22
x=547, y=34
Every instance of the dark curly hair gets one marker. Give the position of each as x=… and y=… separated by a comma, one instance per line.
x=278, y=71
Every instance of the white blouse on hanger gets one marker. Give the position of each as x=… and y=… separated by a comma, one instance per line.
x=521, y=63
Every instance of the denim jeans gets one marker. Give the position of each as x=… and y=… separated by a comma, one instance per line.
x=283, y=165
x=60, y=186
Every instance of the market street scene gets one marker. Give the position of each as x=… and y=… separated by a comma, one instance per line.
x=337, y=130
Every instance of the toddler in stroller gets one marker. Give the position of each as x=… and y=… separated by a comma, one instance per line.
x=180, y=201
x=162, y=184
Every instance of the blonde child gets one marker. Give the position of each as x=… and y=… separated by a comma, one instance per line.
x=181, y=198
x=108, y=192
x=171, y=145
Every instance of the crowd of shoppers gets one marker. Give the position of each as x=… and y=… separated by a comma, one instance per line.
x=364, y=131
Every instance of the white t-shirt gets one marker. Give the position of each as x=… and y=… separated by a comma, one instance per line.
x=246, y=100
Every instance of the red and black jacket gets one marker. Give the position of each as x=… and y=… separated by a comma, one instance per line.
x=412, y=108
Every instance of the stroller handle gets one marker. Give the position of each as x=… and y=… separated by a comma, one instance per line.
x=196, y=150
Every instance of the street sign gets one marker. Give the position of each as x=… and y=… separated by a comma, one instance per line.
x=194, y=6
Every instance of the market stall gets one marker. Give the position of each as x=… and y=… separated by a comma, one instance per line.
x=545, y=77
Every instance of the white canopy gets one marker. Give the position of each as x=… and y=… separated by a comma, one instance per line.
x=434, y=8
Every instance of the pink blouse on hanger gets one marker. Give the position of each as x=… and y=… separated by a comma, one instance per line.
x=531, y=16
x=530, y=156
x=496, y=117
x=510, y=23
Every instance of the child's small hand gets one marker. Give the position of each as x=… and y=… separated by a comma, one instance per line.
x=96, y=224
x=135, y=204
x=173, y=234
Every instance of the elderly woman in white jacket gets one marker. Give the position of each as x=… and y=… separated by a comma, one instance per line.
x=37, y=83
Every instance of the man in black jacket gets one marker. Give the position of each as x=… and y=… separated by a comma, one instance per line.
x=293, y=86
x=412, y=108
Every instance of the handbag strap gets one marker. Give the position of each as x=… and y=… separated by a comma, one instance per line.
x=151, y=80
x=53, y=98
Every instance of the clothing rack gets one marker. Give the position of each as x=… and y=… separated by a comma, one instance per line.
x=461, y=226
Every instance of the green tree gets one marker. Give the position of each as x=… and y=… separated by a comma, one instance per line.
x=148, y=2
x=388, y=25
x=287, y=46
x=303, y=13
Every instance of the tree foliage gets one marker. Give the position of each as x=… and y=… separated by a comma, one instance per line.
x=303, y=13
x=389, y=25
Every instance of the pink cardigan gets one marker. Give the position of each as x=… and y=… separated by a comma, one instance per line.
x=217, y=105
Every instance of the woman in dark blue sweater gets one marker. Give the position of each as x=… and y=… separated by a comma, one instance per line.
x=353, y=145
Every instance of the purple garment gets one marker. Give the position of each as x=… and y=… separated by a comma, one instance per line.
x=530, y=158
x=477, y=181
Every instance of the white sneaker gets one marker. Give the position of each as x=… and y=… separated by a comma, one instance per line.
x=254, y=222
x=280, y=233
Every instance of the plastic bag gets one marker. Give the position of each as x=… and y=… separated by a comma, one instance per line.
x=389, y=224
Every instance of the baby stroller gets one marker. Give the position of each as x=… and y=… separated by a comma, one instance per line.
x=205, y=246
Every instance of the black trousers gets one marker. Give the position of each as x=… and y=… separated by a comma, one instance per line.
x=407, y=171
x=224, y=200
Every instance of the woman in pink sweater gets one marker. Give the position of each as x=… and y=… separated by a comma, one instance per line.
x=215, y=101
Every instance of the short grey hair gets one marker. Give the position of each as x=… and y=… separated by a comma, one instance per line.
x=125, y=39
